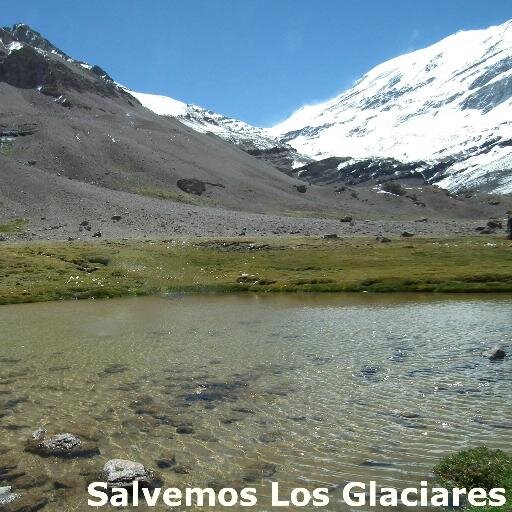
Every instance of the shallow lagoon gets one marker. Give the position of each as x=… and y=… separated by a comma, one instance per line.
x=308, y=390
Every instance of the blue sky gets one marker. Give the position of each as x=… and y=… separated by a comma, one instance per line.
x=257, y=60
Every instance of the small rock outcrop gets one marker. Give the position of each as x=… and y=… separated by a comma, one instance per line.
x=123, y=473
x=64, y=445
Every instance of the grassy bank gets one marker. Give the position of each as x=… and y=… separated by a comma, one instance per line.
x=478, y=468
x=52, y=271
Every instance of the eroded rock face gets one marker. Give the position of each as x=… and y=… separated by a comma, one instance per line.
x=25, y=68
x=64, y=445
x=123, y=473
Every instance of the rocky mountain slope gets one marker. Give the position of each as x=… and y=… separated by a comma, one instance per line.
x=255, y=141
x=71, y=120
x=81, y=157
x=444, y=109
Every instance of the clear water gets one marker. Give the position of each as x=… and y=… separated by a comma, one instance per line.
x=267, y=383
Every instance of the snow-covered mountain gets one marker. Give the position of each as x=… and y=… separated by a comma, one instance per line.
x=256, y=141
x=442, y=113
x=447, y=104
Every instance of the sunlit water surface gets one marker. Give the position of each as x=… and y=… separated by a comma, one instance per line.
x=306, y=390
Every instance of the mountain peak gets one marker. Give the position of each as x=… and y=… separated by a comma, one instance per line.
x=30, y=61
x=24, y=34
x=449, y=100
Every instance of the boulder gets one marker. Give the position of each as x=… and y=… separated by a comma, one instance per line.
x=347, y=218
x=383, y=239
x=116, y=218
x=301, y=188
x=123, y=473
x=64, y=445
x=192, y=186
x=495, y=224
x=407, y=234
x=495, y=354
x=7, y=496
x=330, y=236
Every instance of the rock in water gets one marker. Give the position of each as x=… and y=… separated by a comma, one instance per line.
x=64, y=445
x=6, y=496
x=25, y=503
x=122, y=473
x=369, y=371
x=495, y=354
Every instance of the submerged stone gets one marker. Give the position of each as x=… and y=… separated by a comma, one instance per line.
x=123, y=473
x=369, y=371
x=260, y=470
x=495, y=354
x=25, y=503
x=64, y=445
x=184, y=429
x=6, y=495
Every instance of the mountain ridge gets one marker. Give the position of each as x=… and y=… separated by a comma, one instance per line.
x=447, y=102
x=81, y=157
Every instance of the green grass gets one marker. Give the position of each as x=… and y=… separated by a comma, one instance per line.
x=13, y=226
x=478, y=468
x=166, y=194
x=65, y=270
